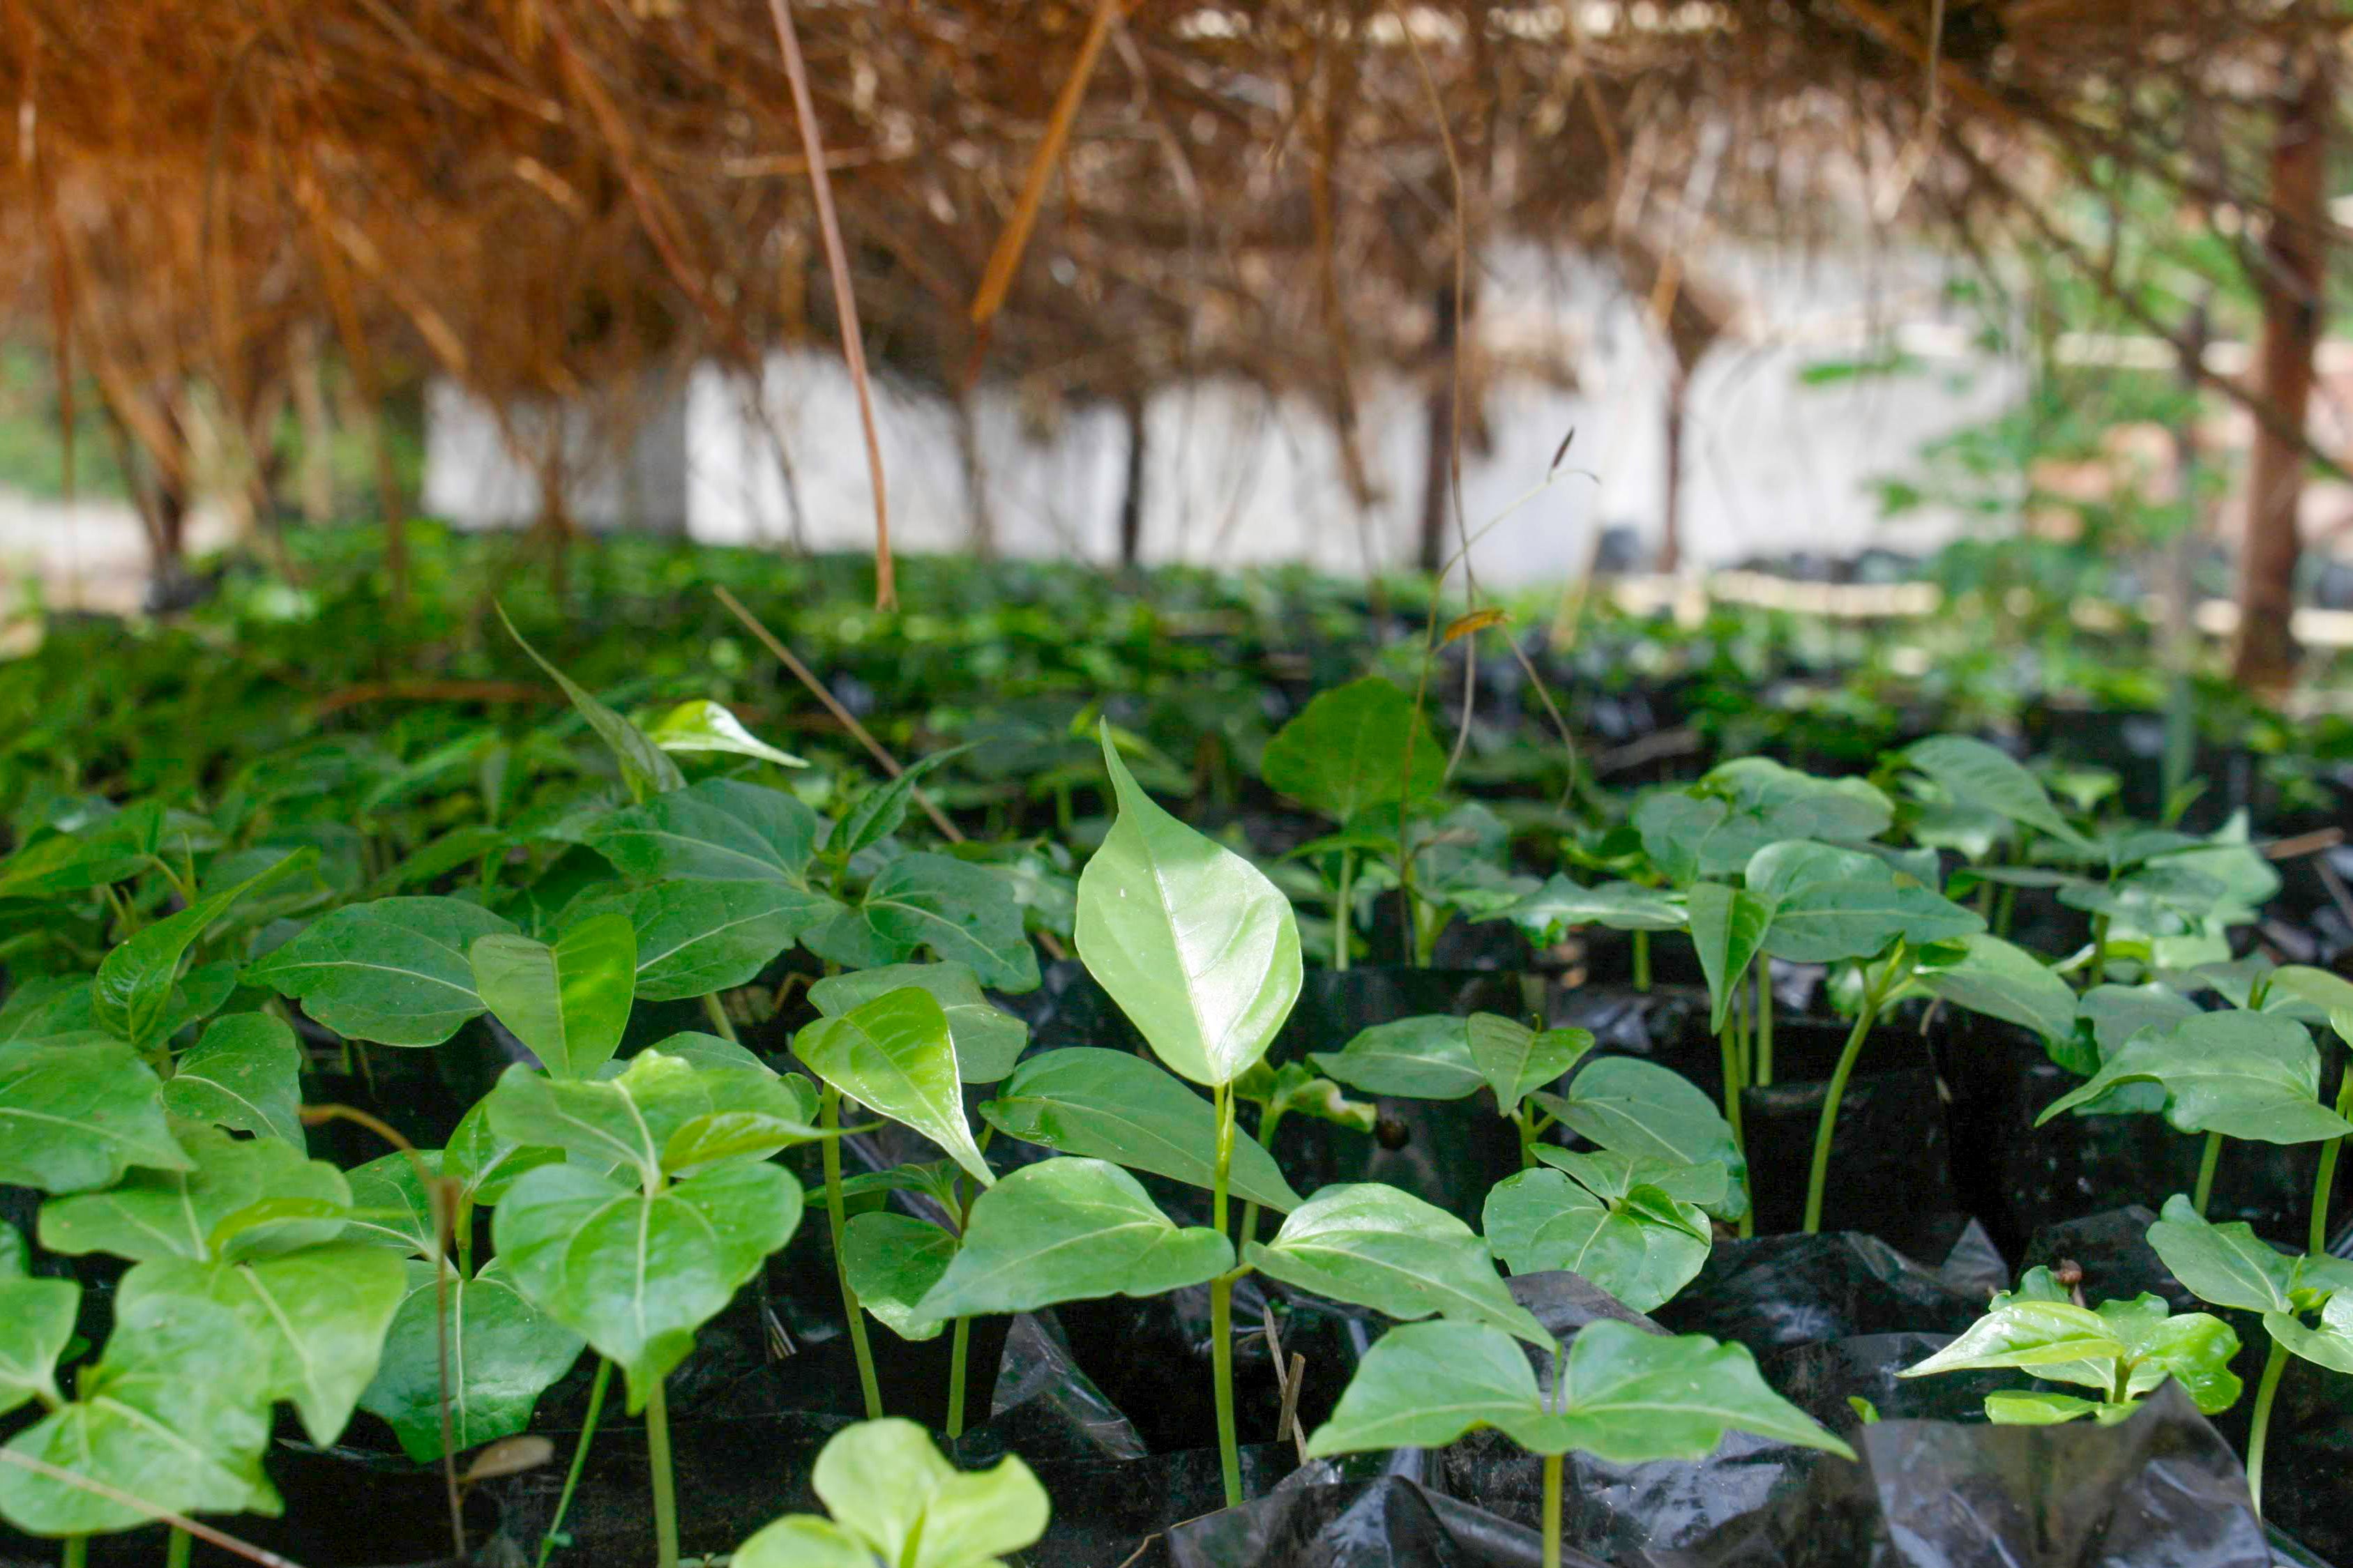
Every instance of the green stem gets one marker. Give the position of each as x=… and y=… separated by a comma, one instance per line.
x=721, y=1025
x=178, y=1548
x=2097, y=970
x=1552, y=1510
x=1764, y=1025
x=1343, y=914
x=1641, y=960
x=2260, y=1430
x=2004, y=909
x=1221, y=1312
x=960, y=1347
x=579, y=1458
x=2206, y=1163
x=2328, y=1176
x=657, y=1461
x=1818, y=1180
x=1732, y=1086
x=829, y=1115
x=77, y=1551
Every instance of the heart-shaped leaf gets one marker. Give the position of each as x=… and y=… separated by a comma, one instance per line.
x=1069, y=1230
x=394, y=971
x=2328, y=1345
x=895, y=1055
x=2137, y=1343
x=2244, y=1075
x=77, y=1112
x=1515, y=1058
x=720, y=830
x=1353, y=747
x=1640, y=1246
x=1645, y=1110
x=504, y=1353
x=988, y=1039
x=646, y=1117
x=569, y=1003
x=1111, y=1105
x=1376, y=1247
x=1427, y=1057
x=894, y=1498
x=694, y=938
x=390, y=1205
x=245, y=1074
x=1198, y=948
x=485, y=1165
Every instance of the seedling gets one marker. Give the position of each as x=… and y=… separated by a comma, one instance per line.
x=895, y=1503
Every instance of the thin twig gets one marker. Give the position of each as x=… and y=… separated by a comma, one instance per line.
x=201, y=1530
x=845, y=303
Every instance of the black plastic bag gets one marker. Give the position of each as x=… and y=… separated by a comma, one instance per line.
x=1386, y=1522
x=1781, y=1290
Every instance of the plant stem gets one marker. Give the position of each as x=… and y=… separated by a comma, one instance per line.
x=2260, y=1429
x=2003, y=910
x=2328, y=1176
x=1343, y=915
x=830, y=1114
x=2097, y=970
x=1552, y=1510
x=1818, y=1180
x=957, y=1351
x=1728, y=1038
x=721, y=1025
x=77, y=1551
x=1764, y=1024
x=657, y=1461
x=579, y=1458
x=178, y=1547
x=2206, y=1163
x=1221, y=1312
x=1641, y=960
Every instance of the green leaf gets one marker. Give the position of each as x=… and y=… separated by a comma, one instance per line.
x=1645, y=1111
x=877, y=814
x=892, y=1260
x=2244, y=1075
x=1728, y=926
x=394, y=971
x=1422, y=1057
x=1794, y=804
x=2330, y=1345
x=965, y=913
x=76, y=1113
x=1069, y=1230
x=2022, y=1408
x=1824, y=922
x=1353, y=747
x=1198, y=948
x=219, y=1206
x=1689, y=836
x=43, y=1006
x=2329, y=994
x=390, y=1205
x=988, y=1040
x=1547, y=914
x=316, y=1318
x=1779, y=870
x=504, y=1353
x=803, y=1540
x=1609, y=1174
x=1295, y=1090
x=2068, y=1344
x=484, y=1165
x=1642, y=1246
x=568, y=1003
x=37, y=1324
x=1111, y=1105
x=720, y=830
x=171, y=1414
x=633, y=1272
x=1515, y=1058
x=245, y=1074
x=1376, y=1247
x=133, y=995
x=895, y=1055
x=2001, y=981
x=890, y=1489
x=705, y=726
x=2227, y=1265
x=694, y=938
x=1976, y=775
x=644, y=767
x=1626, y=1395
x=661, y=1113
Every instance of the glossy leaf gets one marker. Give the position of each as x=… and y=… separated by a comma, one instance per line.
x=1781, y=870
x=694, y=938
x=77, y=1112
x=963, y=912
x=485, y=1165
x=2001, y=981
x=245, y=1074
x=2328, y=1344
x=644, y=766
x=568, y=1002
x=1069, y=1230
x=394, y=971
x=892, y=1260
x=1423, y=1058
x=2136, y=1341
x=132, y=992
x=988, y=1040
x=720, y=830
x=390, y=1205
x=1552, y=911
x=1515, y=1058
x=701, y=726
x=1976, y=775
x=892, y=1491
x=1642, y=1246
x=635, y=1272
x=1352, y=748
x=1728, y=926
x=1824, y=922
x=1611, y=1175
x=1112, y=1105
x=241, y=1197
x=2244, y=1075
x=1198, y=948
x=1376, y=1247
x=1642, y=1109
x=638, y=1117
x=895, y=1055
x=2228, y=1265
x=504, y=1353
x=803, y=1540
x=1294, y=1089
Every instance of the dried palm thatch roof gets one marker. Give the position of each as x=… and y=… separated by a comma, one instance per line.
x=544, y=196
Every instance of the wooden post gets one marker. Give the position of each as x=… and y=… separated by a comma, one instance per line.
x=2293, y=259
x=1437, y=469
x=1131, y=501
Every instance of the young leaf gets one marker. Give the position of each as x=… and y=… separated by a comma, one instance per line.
x=394, y=971
x=2227, y=1265
x=892, y=1260
x=485, y=1165
x=889, y=1487
x=1111, y=1105
x=1515, y=1058
x=1547, y=914
x=504, y=1353
x=876, y=814
x=1728, y=926
x=1608, y=1174
x=694, y=938
x=390, y=1207
x=1780, y=871
x=1640, y=1246
x=76, y=1113
x=654, y=1116
x=965, y=913
x=1823, y=923
x=2244, y=1075
x=1294, y=1089
x=240, y=1197
x=1353, y=747
x=635, y=1272
x=2001, y=981
x=245, y=1073
x=2124, y=1348
x=1376, y=1247
x=1422, y=1057
x=1069, y=1230
x=37, y=1324
x=2036, y=1408
x=644, y=767
x=720, y=830
x=568, y=1003
x=1974, y=773
x=2330, y=1345
x=895, y=1055
x=1198, y=948
x=1642, y=1109
x=988, y=1039
x=132, y=994
x=805, y=1541
x=705, y=726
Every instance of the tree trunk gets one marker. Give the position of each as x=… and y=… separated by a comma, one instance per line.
x=1670, y=511
x=1438, y=466
x=1131, y=501
x=980, y=517
x=2293, y=262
